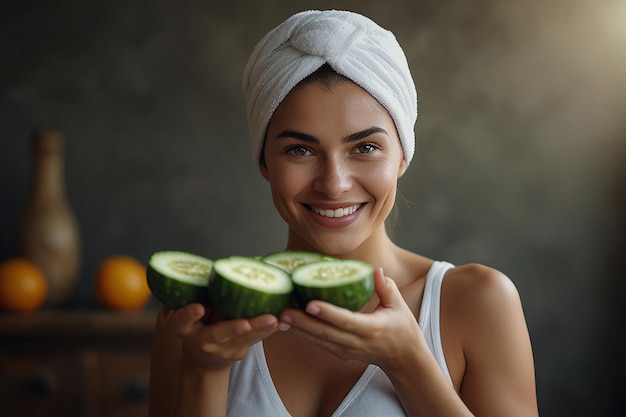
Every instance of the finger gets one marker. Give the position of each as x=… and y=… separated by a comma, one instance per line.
x=332, y=325
x=386, y=289
x=185, y=318
x=264, y=321
x=260, y=328
x=243, y=331
x=327, y=337
x=341, y=318
x=321, y=334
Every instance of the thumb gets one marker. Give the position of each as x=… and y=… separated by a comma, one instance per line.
x=386, y=289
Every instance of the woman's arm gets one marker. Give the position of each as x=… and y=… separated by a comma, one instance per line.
x=192, y=357
x=483, y=306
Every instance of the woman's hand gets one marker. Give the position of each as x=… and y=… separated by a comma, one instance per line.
x=382, y=337
x=212, y=343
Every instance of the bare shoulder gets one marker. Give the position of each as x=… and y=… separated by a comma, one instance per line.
x=479, y=288
x=483, y=275
x=482, y=301
x=475, y=301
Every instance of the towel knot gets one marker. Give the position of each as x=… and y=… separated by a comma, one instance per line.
x=327, y=37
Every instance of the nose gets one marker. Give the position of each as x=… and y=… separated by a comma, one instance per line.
x=333, y=177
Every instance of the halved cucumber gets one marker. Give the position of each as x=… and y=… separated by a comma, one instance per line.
x=290, y=260
x=177, y=279
x=345, y=283
x=242, y=287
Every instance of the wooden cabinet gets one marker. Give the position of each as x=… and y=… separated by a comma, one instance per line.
x=75, y=363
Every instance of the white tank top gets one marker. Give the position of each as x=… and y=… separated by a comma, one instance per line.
x=252, y=393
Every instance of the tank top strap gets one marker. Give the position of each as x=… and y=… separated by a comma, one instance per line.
x=430, y=312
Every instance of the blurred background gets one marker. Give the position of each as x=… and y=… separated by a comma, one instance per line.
x=520, y=156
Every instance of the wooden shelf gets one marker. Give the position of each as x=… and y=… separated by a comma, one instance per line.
x=75, y=363
x=63, y=323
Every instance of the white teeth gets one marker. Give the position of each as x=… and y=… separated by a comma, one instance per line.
x=340, y=212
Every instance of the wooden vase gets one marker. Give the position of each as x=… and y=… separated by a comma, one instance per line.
x=48, y=232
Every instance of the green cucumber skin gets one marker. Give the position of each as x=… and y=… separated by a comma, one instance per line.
x=353, y=296
x=234, y=301
x=173, y=293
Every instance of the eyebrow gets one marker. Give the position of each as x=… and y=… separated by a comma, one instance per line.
x=350, y=138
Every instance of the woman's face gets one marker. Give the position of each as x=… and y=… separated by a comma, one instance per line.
x=333, y=158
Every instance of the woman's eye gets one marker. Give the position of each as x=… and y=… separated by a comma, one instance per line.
x=297, y=151
x=366, y=148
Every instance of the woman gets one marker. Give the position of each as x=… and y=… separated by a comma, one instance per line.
x=331, y=107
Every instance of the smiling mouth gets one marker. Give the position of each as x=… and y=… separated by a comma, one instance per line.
x=334, y=213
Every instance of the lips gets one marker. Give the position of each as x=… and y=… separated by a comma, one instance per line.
x=336, y=212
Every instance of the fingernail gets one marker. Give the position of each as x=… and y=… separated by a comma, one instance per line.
x=269, y=321
x=285, y=323
x=312, y=309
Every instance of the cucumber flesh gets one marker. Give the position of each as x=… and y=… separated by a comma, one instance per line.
x=345, y=283
x=178, y=279
x=242, y=287
x=290, y=260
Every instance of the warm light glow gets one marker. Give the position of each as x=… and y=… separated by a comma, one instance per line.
x=614, y=23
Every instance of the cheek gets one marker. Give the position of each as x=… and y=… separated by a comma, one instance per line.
x=381, y=182
x=285, y=186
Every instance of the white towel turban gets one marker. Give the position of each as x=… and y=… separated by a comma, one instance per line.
x=353, y=45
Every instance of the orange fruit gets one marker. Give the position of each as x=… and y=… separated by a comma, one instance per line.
x=120, y=284
x=23, y=286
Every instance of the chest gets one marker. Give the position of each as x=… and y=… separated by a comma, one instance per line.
x=310, y=382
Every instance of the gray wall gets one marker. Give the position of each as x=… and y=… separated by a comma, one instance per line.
x=520, y=148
